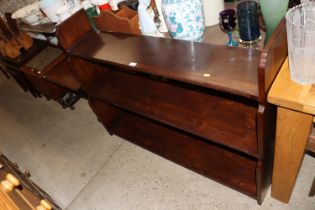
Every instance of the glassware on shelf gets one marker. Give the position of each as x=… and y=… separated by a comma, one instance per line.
x=301, y=39
x=248, y=24
x=228, y=24
x=273, y=11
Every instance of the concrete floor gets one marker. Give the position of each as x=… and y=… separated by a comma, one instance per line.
x=71, y=156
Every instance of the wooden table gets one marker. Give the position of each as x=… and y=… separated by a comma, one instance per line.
x=296, y=107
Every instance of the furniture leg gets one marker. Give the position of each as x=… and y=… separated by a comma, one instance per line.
x=312, y=191
x=69, y=100
x=4, y=73
x=292, y=134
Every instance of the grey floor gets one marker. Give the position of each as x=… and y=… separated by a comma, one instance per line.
x=72, y=157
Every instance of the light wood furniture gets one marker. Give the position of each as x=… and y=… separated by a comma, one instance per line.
x=311, y=148
x=18, y=192
x=296, y=107
x=12, y=66
x=6, y=187
x=12, y=198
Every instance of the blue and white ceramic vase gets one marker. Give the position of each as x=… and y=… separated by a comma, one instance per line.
x=184, y=19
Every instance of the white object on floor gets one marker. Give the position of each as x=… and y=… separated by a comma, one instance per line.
x=211, y=9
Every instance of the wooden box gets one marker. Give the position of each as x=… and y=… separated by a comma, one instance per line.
x=124, y=21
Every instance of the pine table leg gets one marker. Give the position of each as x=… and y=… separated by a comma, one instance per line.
x=292, y=132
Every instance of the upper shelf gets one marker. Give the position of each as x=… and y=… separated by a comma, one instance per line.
x=228, y=69
x=244, y=72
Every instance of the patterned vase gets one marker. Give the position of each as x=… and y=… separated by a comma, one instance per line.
x=184, y=19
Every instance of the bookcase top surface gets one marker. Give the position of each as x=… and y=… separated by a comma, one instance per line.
x=228, y=69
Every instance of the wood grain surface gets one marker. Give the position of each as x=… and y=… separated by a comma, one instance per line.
x=196, y=104
x=289, y=94
x=6, y=203
x=228, y=69
x=208, y=114
x=192, y=152
x=272, y=57
x=292, y=134
x=72, y=30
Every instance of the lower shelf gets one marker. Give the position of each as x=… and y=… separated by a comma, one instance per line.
x=214, y=161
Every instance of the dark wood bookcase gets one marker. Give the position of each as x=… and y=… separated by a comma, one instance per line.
x=200, y=105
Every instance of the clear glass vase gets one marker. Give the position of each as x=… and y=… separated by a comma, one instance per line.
x=301, y=39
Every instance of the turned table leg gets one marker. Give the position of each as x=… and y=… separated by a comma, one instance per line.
x=293, y=129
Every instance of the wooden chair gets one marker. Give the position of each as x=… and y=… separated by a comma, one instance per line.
x=11, y=197
x=17, y=191
x=311, y=148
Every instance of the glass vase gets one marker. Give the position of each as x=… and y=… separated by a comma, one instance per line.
x=273, y=11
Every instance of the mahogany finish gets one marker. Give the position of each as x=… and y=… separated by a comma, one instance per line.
x=73, y=30
x=199, y=105
x=271, y=59
x=21, y=80
x=50, y=74
x=36, y=68
x=172, y=104
x=47, y=89
x=179, y=60
x=60, y=74
x=188, y=150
